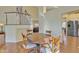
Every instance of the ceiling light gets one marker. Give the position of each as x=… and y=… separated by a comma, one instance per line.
x=1, y=24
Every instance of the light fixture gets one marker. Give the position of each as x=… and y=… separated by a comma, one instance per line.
x=1, y=26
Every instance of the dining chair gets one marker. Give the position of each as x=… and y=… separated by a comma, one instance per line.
x=22, y=45
x=48, y=33
x=30, y=40
x=47, y=44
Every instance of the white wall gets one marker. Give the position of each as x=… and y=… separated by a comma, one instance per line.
x=54, y=19
x=53, y=23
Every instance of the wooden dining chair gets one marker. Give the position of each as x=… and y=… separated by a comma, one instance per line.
x=48, y=33
x=21, y=46
x=47, y=44
x=22, y=49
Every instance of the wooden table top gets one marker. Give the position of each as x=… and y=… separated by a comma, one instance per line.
x=39, y=38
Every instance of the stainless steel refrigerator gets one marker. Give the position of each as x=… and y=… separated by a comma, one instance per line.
x=72, y=28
